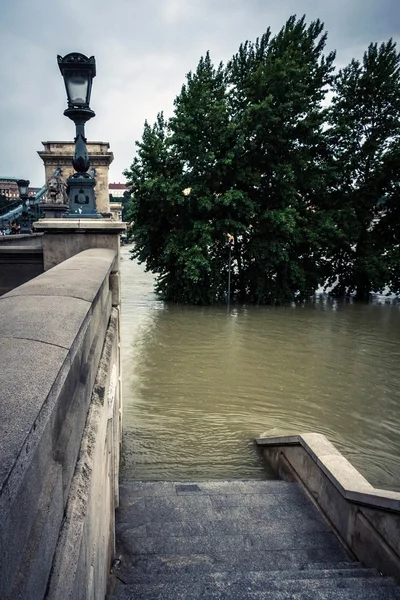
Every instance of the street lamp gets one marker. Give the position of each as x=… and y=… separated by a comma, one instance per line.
x=23, y=187
x=78, y=71
x=231, y=240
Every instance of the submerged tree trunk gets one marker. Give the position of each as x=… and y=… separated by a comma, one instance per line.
x=362, y=278
x=363, y=289
x=238, y=256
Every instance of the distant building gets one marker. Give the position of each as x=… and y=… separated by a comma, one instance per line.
x=116, y=211
x=9, y=188
x=117, y=189
x=34, y=190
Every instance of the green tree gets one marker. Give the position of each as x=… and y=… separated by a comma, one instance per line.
x=179, y=207
x=244, y=155
x=388, y=225
x=126, y=201
x=151, y=210
x=277, y=86
x=364, y=138
x=307, y=193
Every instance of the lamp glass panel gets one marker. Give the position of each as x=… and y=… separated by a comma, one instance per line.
x=77, y=84
x=23, y=187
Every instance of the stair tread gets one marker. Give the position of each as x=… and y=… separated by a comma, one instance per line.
x=236, y=540
x=159, y=509
x=217, y=544
x=181, y=575
x=160, y=566
x=355, y=588
x=235, y=486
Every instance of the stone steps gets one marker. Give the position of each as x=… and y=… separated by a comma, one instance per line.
x=308, y=590
x=250, y=577
x=236, y=539
x=150, y=568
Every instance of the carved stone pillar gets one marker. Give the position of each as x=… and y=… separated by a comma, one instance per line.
x=60, y=154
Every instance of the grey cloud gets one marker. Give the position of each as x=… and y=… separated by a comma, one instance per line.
x=143, y=50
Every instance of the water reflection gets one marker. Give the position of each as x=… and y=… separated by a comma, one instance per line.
x=201, y=383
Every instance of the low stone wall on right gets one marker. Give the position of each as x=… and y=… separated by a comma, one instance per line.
x=366, y=519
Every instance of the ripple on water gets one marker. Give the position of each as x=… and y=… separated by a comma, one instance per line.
x=201, y=383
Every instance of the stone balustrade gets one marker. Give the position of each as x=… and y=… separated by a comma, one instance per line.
x=366, y=519
x=60, y=402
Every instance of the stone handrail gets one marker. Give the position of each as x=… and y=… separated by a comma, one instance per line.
x=22, y=239
x=60, y=430
x=366, y=519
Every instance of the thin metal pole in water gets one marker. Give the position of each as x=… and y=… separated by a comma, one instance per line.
x=229, y=275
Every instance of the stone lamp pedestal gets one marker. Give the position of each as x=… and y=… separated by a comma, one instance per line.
x=64, y=238
x=51, y=210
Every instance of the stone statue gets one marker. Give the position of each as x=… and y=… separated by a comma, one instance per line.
x=56, y=191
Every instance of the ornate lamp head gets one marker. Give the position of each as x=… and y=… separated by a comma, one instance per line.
x=78, y=71
x=23, y=187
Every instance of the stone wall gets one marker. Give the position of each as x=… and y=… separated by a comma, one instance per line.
x=64, y=238
x=22, y=239
x=366, y=519
x=60, y=430
x=21, y=259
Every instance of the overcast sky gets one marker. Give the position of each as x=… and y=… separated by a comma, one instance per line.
x=143, y=50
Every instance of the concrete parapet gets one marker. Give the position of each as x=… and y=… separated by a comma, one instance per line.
x=64, y=238
x=22, y=239
x=366, y=519
x=59, y=431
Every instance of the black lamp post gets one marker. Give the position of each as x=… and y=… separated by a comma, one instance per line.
x=23, y=187
x=78, y=71
x=231, y=240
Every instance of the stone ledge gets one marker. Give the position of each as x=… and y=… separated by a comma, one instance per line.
x=366, y=519
x=91, y=501
x=39, y=370
x=11, y=239
x=55, y=331
x=36, y=351
x=52, y=332
x=21, y=250
x=32, y=240
x=79, y=226
x=352, y=485
x=77, y=277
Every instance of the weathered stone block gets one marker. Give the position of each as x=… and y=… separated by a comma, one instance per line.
x=58, y=346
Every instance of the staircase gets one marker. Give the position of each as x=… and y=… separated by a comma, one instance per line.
x=232, y=540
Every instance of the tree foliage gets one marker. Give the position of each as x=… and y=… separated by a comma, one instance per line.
x=364, y=138
x=255, y=166
x=278, y=85
x=4, y=202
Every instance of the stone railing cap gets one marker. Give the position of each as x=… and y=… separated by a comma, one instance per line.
x=79, y=277
x=40, y=327
x=82, y=225
x=344, y=476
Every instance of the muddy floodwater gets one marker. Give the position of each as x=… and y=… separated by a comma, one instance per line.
x=199, y=384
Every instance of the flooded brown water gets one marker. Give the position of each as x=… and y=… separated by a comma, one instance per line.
x=200, y=384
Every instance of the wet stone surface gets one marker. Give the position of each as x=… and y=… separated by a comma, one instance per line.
x=232, y=539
